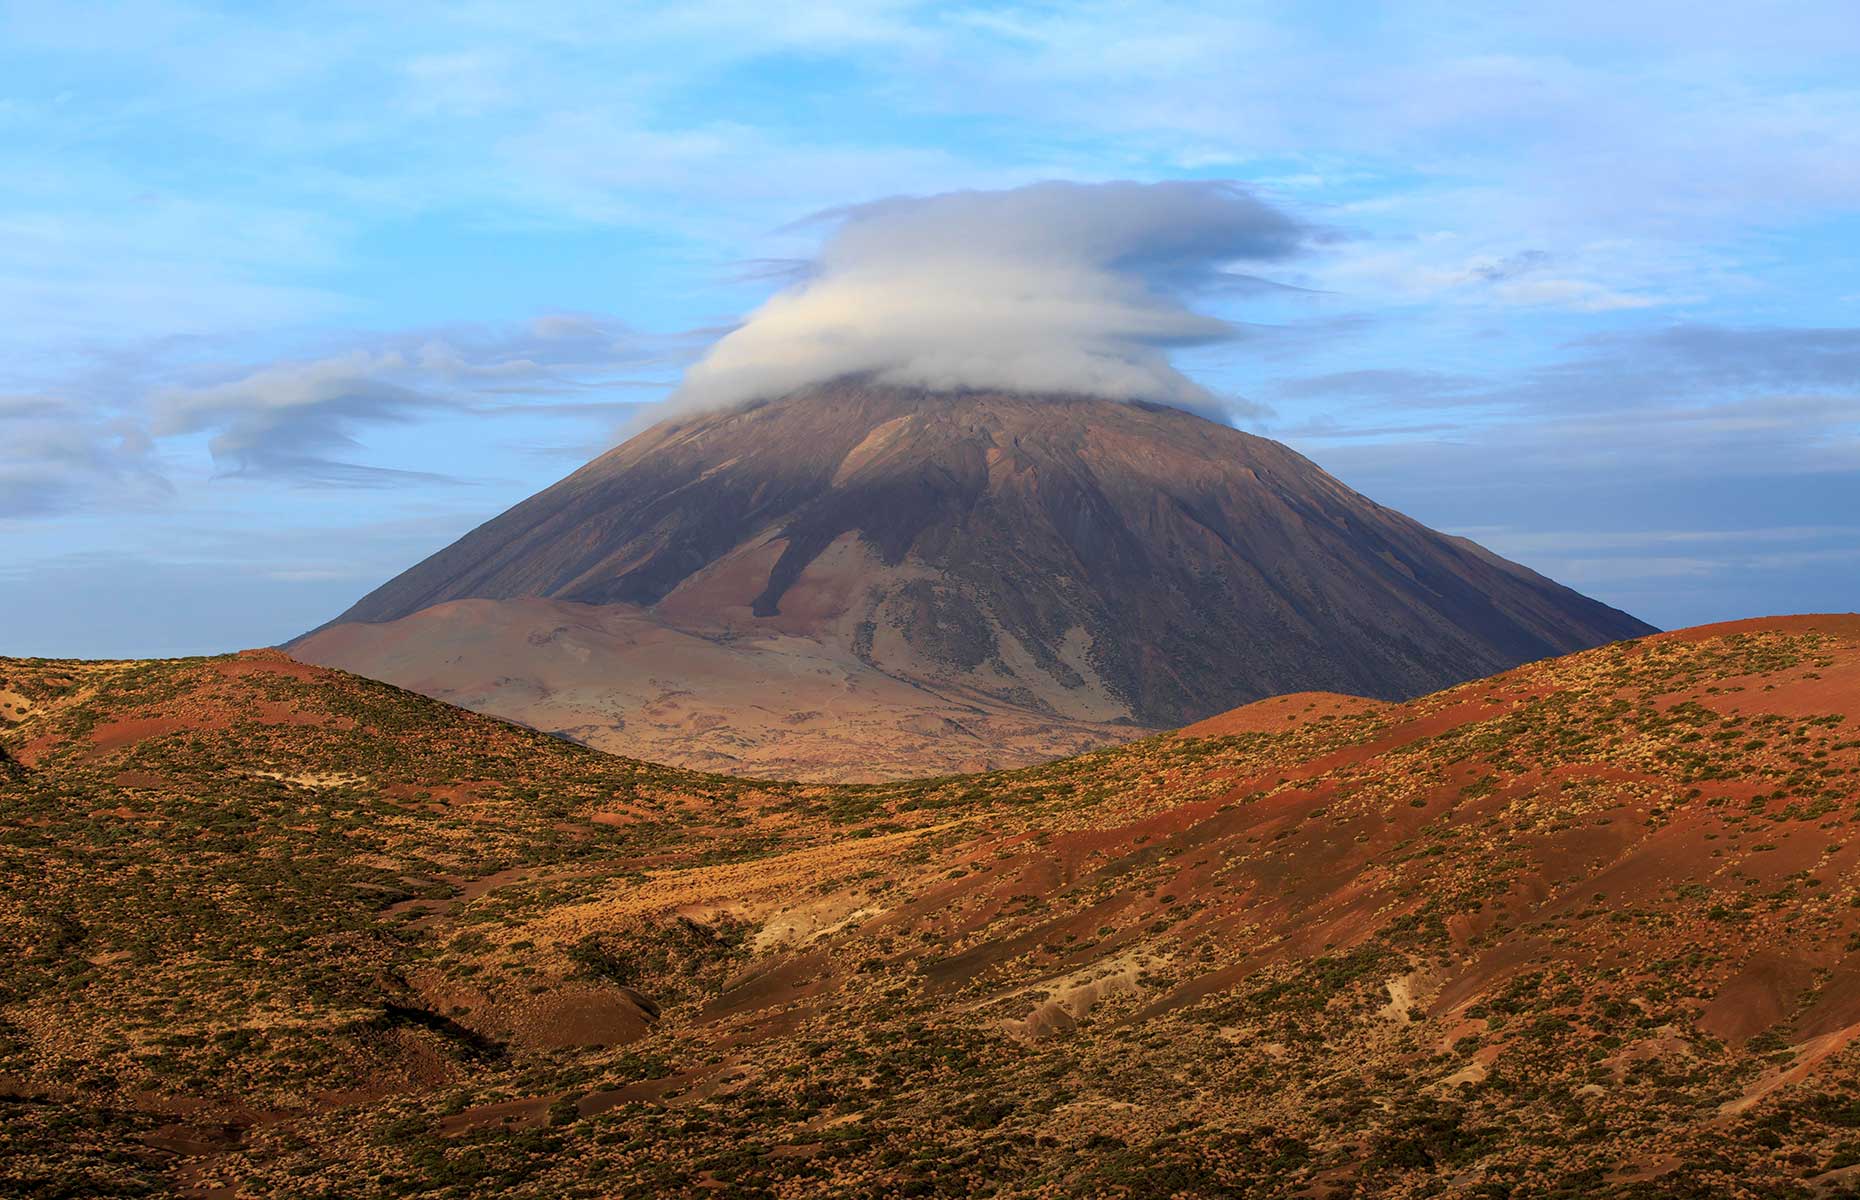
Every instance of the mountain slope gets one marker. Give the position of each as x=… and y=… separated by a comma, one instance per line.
x=1077, y=559
x=775, y=705
x=1587, y=927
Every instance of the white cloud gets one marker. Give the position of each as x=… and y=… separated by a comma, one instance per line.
x=1055, y=287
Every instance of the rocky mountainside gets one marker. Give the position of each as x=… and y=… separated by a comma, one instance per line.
x=984, y=578
x=1590, y=927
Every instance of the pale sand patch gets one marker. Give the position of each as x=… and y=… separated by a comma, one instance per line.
x=1401, y=991
x=323, y=779
x=1071, y=997
x=810, y=922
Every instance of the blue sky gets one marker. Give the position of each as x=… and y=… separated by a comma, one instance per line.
x=293, y=296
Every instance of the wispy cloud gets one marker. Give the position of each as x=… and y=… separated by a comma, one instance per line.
x=118, y=429
x=1691, y=393
x=287, y=420
x=299, y=419
x=56, y=454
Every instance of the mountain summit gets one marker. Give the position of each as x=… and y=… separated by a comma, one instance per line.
x=990, y=577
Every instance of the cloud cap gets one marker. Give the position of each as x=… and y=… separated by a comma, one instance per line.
x=1053, y=287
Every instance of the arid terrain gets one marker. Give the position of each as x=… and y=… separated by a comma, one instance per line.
x=1588, y=927
x=775, y=705
x=858, y=582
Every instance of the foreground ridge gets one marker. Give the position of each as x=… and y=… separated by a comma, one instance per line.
x=1587, y=927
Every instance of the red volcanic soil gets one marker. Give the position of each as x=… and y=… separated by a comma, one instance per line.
x=1838, y=625
x=118, y=734
x=220, y=696
x=1279, y=713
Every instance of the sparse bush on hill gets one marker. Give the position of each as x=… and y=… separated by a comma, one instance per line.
x=1525, y=938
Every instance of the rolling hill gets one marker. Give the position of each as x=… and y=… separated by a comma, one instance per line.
x=1587, y=927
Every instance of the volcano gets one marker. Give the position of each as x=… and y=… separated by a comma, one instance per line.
x=862, y=581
